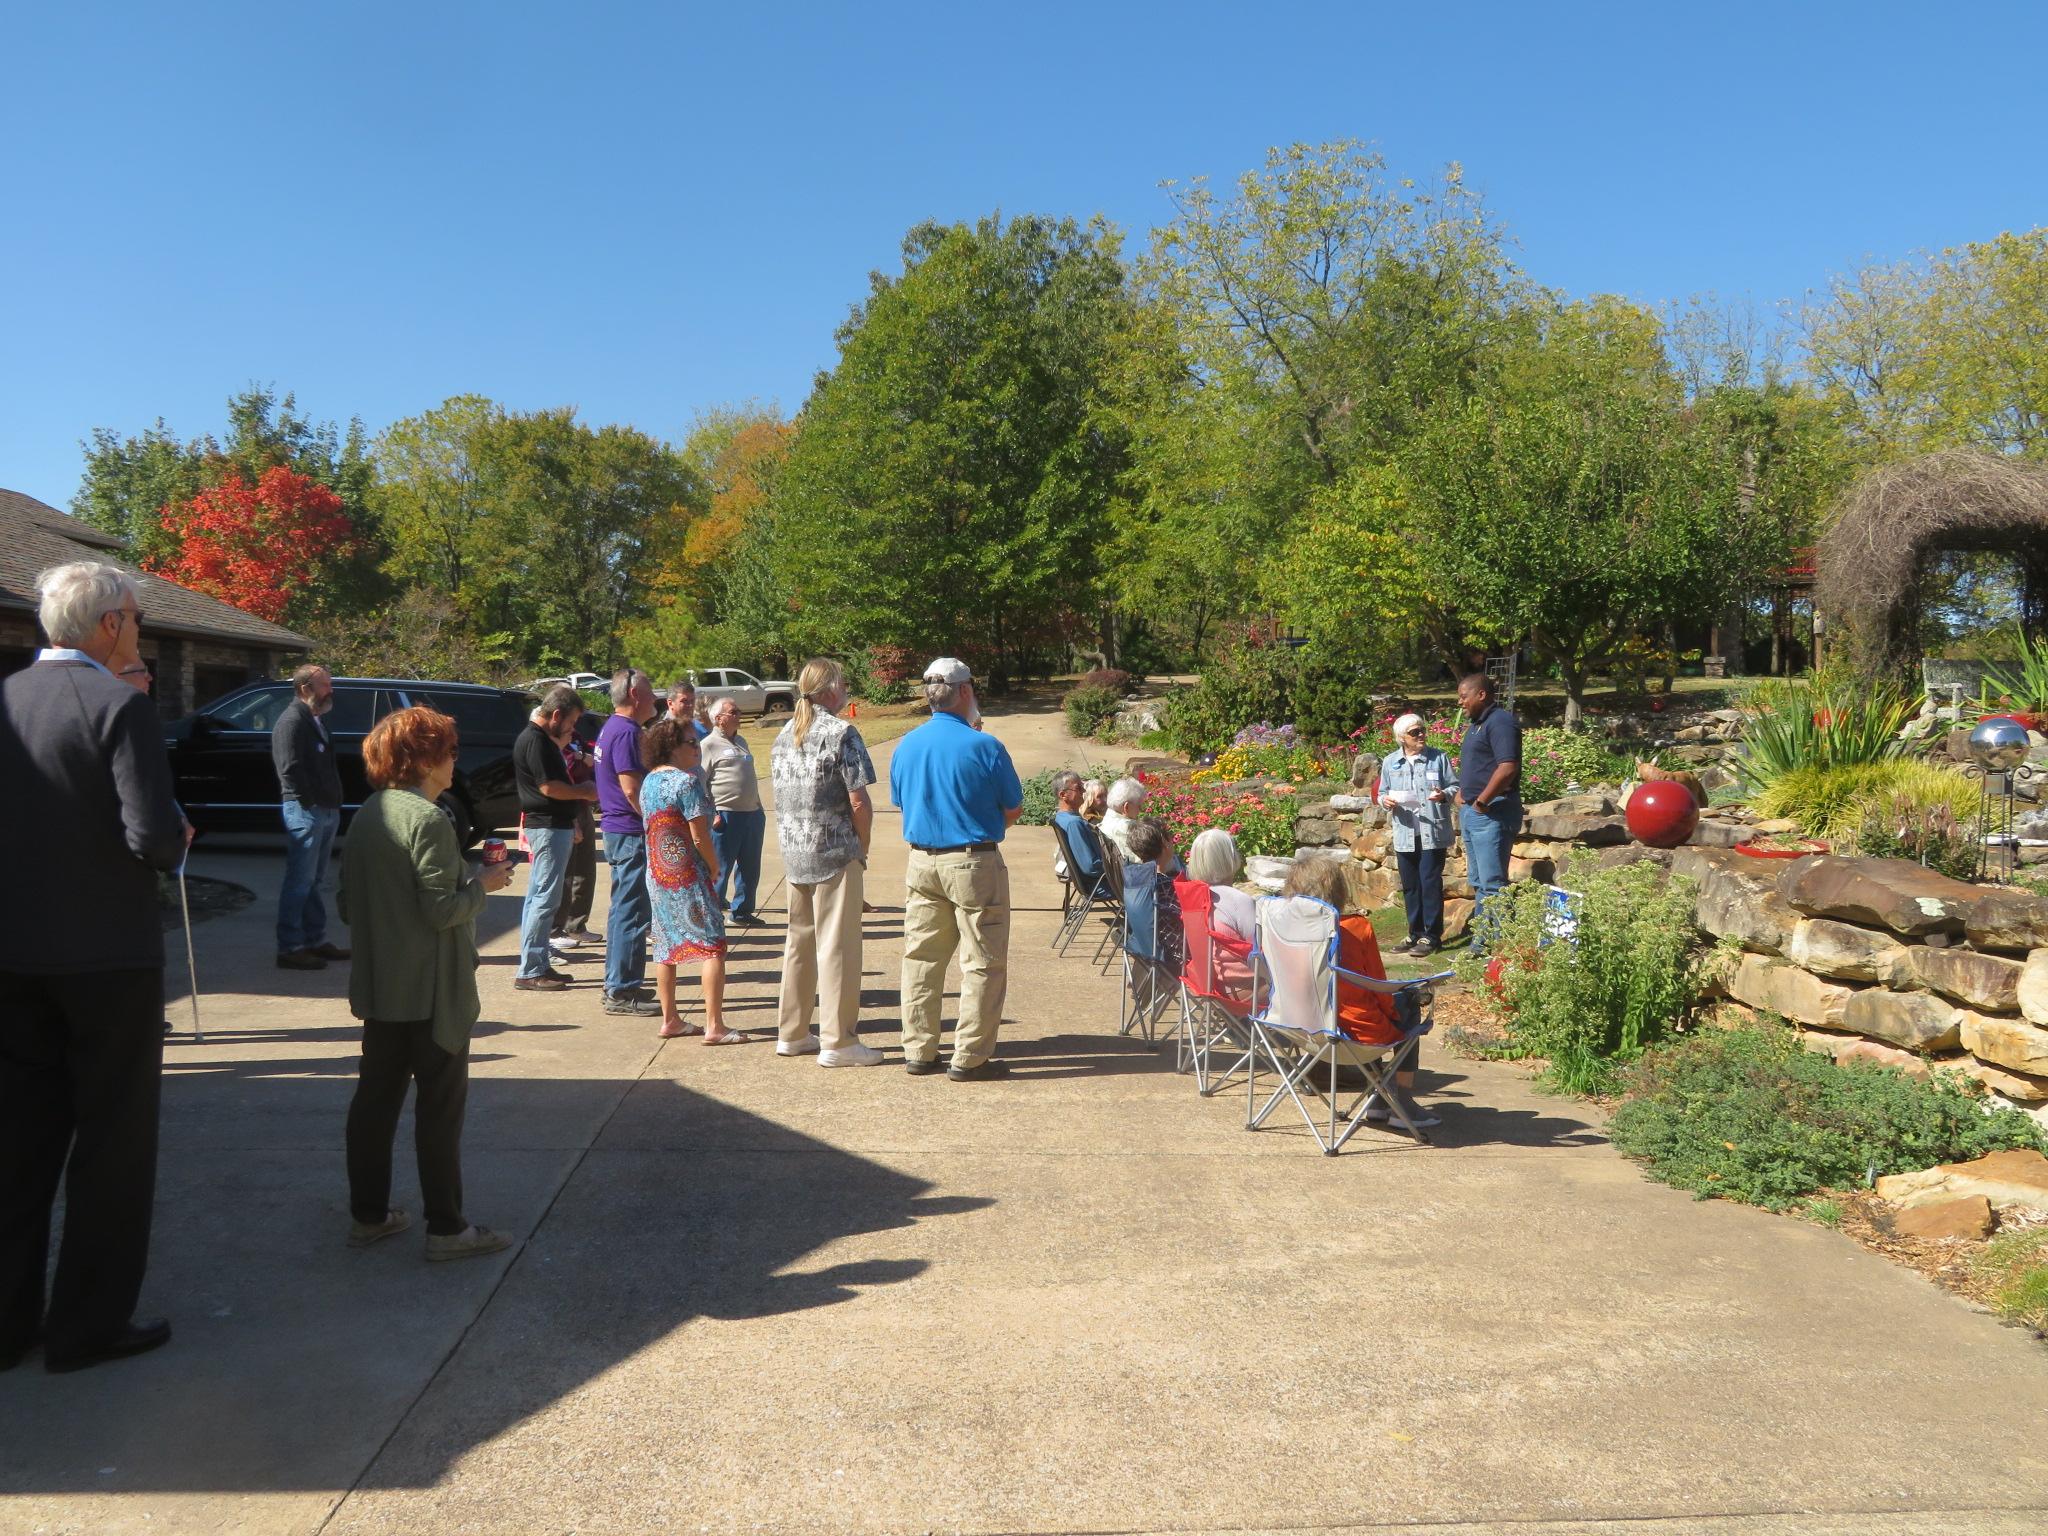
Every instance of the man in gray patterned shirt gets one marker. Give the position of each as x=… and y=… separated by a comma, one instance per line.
x=823, y=819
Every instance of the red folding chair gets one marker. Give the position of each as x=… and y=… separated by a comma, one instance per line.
x=1215, y=991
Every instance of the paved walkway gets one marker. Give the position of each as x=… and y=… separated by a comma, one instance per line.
x=753, y=1295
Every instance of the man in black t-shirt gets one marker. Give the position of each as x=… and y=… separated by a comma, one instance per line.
x=550, y=803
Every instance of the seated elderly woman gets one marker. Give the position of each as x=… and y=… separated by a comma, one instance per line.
x=1094, y=800
x=1365, y=1016
x=1214, y=860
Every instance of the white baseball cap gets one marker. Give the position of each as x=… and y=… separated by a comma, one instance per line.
x=948, y=669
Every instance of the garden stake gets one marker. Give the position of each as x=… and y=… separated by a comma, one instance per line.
x=191, y=965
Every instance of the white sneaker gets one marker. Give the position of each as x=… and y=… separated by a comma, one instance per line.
x=562, y=944
x=808, y=1046
x=855, y=1055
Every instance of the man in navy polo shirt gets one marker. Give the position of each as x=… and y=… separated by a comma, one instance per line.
x=1489, y=793
x=958, y=793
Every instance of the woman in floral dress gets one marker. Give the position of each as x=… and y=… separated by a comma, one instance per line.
x=682, y=876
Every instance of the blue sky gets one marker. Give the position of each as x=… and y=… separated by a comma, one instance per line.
x=645, y=210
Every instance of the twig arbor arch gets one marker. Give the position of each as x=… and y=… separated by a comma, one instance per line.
x=1898, y=518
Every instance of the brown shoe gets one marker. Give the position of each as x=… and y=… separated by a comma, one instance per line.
x=553, y=981
x=329, y=952
x=300, y=960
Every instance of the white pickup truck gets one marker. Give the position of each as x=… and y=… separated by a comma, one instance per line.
x=753, y=696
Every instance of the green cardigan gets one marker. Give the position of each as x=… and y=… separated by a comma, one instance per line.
x=411, y=904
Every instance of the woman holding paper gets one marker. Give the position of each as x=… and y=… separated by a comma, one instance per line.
x=1415, y=786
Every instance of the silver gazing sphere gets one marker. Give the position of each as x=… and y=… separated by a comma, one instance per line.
x=1999, y=745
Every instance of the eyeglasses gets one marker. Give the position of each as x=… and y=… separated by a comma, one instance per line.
x=135, y=671
x=128, y=613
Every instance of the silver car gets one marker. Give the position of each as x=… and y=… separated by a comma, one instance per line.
x=753, y=696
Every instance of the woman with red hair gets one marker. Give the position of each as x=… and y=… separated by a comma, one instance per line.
x=411, y=902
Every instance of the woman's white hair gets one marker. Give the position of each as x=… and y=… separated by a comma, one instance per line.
x=1213, y=858
x=72, y=599
x=1125, y=792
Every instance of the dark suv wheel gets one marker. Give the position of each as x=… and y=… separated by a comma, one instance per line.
x=778, y=702
x=458, y=811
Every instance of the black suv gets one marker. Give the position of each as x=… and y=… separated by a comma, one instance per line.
x=221, y=756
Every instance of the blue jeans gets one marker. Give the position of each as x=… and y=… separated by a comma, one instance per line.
x=308, y=839
x=738, y=845
x=544, y=892
x=630, y=916
x=1489, y=835
x=1422, y=891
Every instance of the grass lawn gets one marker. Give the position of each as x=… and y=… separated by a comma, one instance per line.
x=885, y=722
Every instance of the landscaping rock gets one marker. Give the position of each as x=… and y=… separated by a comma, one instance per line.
x=2033, y=988
x=1365, y=772
x=2006, y=1179
x=1457, y=917
x=1856, y=1048
x=1982, y=981
x=1848, y=953
x=1776, y=827
x=1590, y=831
x=1372, y=889
x=1266, y=872
x=1632, y=853
x=1736, y=898
x=1351, y=802
x=1716, y=833
x=1532, y=869
x=2006, y=1042
x=2008, y=919
x=2019, y=1087
x=1883, y=893
x=1969, y=1217
x=1916, y=1019
x=1777, y=987
x=1574, y=805
x=1317, y=831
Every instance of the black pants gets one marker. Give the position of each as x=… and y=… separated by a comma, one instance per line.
x=81, y=1067
x=394, y=1056
x=579, y=893
x=1422, y=891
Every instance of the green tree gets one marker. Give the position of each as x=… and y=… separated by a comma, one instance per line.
x=438, y=492
x=950, y=476
x=1574, y=502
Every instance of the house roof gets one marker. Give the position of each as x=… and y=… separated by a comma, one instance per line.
x=35, y=536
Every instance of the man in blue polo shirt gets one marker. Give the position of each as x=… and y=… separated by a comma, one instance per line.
x=958, y=793
x=1489, y=793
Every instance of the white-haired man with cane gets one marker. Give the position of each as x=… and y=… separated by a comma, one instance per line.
x=81, y=977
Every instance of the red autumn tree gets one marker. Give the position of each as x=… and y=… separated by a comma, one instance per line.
x=260, y=547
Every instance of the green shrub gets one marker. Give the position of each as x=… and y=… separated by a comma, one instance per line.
x=2024, y=686
x=1247, y=682
x=1555, y=759
x=1106, y=677
x=899, y=690
x=2018, y=1264
x=1831, y=801
x=1901, y=825
x=1039, y=803
x=1089, y=709
x=1625, y=980
x=1752, y=1115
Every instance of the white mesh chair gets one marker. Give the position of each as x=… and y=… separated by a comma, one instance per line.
x=1294, y=1024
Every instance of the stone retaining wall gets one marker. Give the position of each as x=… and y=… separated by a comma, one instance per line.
x=1883, y=959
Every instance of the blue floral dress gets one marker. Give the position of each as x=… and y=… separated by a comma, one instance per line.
x=687, y=922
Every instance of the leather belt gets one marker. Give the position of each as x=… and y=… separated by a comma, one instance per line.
x=958, y=848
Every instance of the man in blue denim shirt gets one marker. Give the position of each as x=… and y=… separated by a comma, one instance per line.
x=1489, y=793
x=309, y=786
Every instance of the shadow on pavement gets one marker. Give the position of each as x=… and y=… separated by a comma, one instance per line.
x=295, y=1355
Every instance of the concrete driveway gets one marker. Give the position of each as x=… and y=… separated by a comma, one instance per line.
x=754, y=1295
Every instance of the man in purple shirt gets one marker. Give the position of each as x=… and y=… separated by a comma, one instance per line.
x=619, y=773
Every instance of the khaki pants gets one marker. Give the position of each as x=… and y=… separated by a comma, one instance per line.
x=955, y=901
x=822, y=956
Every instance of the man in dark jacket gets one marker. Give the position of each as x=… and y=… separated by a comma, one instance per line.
x=310, y=784
x=81, y=977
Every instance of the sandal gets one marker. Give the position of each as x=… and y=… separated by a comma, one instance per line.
x=681, y=1029
x=732, y=1037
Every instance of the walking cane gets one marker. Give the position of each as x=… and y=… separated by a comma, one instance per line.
x=191, y=964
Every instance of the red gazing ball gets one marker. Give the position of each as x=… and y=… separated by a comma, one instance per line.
x=1661, y=813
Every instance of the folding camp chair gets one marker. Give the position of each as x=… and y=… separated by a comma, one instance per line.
x=1082, y=896
x=1151, y=950
x=1111, y=900
x=1294, y=1022
x=1214, y=1012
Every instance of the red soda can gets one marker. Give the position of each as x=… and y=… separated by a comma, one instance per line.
x=494, y=850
